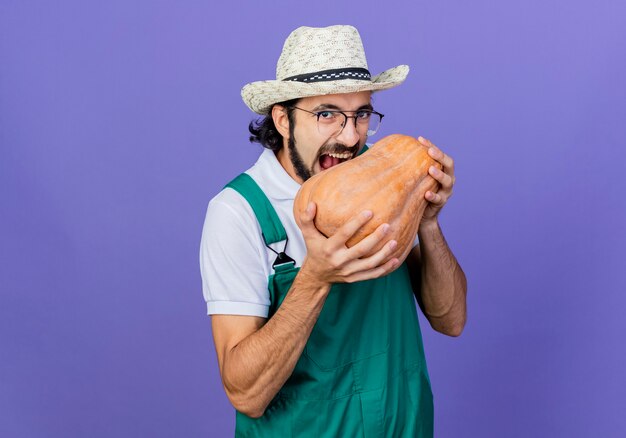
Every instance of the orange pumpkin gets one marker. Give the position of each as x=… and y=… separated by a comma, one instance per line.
x=390, y=179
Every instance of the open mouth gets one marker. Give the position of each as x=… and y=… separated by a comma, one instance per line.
x=332, y=159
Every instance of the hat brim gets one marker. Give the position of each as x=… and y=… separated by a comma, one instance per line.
x=261, y=95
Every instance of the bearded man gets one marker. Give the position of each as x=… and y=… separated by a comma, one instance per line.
x=314, y=338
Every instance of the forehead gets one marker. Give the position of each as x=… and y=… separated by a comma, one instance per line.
x=345, y=101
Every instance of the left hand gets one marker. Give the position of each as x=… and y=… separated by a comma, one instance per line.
x=444, y=177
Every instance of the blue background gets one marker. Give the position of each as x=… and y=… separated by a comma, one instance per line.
x=120, y=120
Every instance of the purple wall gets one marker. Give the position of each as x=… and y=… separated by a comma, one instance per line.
x=120, y=120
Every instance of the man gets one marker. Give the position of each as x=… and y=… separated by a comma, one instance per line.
x=314, y=338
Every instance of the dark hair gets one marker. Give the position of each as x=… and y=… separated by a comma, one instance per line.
x=264, y=131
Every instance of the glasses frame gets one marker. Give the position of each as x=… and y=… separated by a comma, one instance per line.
x=346, y=117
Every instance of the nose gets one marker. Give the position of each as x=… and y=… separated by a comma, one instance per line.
x=349, y=135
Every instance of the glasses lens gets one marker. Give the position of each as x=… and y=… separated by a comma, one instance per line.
x=373, y=124
x=330, y=123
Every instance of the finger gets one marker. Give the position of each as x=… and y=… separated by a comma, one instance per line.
x=374, y=273
x=438, y=154
x=377, y=259
x=364, y=248
x=435, y=198
x=352, y=226
x=307, y=226
x=444, y=159
x=366, y=245
x=444, y=179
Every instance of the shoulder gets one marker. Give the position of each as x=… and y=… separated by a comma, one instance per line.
x=230, y=216
x=228, y=202
x=233, y=260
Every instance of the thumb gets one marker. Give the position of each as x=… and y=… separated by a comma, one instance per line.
x=306, y=218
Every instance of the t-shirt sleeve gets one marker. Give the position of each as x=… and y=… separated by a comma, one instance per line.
x=233, y=259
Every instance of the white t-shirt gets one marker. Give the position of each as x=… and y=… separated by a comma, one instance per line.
x=234, y=262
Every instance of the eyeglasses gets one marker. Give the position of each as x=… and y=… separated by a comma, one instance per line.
x=332, y=122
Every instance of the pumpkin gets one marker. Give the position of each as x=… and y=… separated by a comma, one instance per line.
x=390, y=179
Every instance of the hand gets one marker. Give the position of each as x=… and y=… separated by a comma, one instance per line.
x=329, y=260
x=445, y=177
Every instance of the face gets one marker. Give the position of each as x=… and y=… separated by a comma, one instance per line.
x=308, y=151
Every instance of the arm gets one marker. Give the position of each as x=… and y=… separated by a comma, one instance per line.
x=438, y=281
x=257, y=357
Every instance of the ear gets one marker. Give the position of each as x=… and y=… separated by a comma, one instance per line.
x=281, y=120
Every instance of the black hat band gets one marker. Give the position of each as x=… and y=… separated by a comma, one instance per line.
x=333, y=75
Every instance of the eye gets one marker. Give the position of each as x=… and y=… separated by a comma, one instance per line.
x=363, y=114
x=326, y=115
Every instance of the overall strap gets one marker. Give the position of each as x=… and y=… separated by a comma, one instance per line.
x=271, y=227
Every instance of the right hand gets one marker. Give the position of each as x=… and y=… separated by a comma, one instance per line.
x=329, y=260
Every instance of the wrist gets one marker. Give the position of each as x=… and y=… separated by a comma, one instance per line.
x=311, y=279
x=428, y=226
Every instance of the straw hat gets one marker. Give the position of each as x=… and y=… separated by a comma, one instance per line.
x=318, y=61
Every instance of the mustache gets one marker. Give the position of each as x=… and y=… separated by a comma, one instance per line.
x=337, y=148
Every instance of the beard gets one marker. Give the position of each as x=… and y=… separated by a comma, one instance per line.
x=297, y=162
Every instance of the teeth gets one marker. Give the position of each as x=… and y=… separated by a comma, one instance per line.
x=341, y=156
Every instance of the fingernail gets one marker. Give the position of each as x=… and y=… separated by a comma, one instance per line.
x=385, y=228
x=367, y=214
x=393, y=244
x=433, y=169
x=421, y=139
